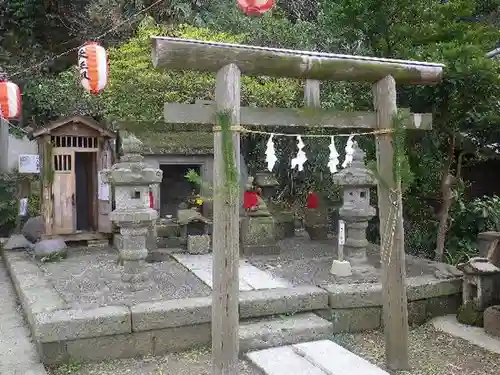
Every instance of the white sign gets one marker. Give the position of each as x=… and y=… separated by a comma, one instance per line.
x=103, y=189
x=23, y=207
x=29, y=164
x=341, y=236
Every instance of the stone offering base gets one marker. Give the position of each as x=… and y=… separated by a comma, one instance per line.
x=270, y=317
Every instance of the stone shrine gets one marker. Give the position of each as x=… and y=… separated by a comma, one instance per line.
x=131, y=179
x=194, y=229
x=258, y=228
x=479, y=283
x=283, y=217
x=356, y=181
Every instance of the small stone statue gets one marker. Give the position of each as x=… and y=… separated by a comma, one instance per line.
x=254, y=204
x=258, y=228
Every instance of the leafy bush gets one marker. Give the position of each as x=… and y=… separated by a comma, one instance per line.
x=9, y=204
x=468, y=220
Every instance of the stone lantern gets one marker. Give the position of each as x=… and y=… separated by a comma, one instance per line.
x=268, y=183
x=131, y=179
x=356, y=181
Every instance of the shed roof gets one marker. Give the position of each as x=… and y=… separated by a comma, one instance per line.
x=87, y=121
x=163, y=138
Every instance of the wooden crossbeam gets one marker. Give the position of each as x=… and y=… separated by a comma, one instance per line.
x=189, y=54
x=205, y=114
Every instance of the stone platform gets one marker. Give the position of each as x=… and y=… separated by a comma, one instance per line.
x=78, y=308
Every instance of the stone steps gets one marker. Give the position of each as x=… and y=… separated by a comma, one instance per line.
x=283, y=330
x=312, y=358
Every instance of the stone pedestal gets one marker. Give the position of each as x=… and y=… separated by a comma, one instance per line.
x=492, y=321
x=152, y=238
x=198, y=244
x=341, y=268
x=316, y=224
x=356, y=243
x=258, y=235
x=285, y=224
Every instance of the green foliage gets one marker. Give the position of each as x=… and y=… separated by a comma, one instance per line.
x=468, y=220
x=137, y=92
x=9, y=203
x=464, y=107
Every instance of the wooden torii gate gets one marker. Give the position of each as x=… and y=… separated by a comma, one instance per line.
x=229, y=61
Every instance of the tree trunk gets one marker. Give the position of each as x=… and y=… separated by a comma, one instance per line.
x=447, y=183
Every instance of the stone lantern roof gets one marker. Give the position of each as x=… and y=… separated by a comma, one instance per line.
x=131, y=170
x=357, y=174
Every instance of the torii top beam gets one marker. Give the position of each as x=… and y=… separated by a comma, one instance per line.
x=184, y=54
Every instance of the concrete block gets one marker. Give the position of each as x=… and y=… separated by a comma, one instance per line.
x=52, y=353
x=283, y=360
x=181, y=338
x=417, y=312
x=353, y=320
x=423, y=287
x=281, y=301
x=438, y=306
x=111, y=347
x=492, y=321
x=76, y=324
x=171, y=313
x=341, y=268
x=38, y=300
x=283, y=331
x=17, y=242
x=321, y=353
x=198, y=244
x=342, y=296
x=22, y=266
x=41, y=299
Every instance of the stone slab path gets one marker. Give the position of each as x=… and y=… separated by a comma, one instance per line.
x=475, y=335
x=18, y=355
x=251, y=277
x=312, y=358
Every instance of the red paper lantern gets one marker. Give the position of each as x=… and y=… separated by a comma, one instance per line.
x=93, y=66
x=255, y=7
x=10, y=100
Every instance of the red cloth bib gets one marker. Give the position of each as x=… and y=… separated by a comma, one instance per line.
x=250, y=200
x=312, y=200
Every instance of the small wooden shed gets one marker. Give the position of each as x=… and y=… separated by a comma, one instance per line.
x=75, y=202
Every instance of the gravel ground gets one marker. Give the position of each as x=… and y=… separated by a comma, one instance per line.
x=432, y=353
x=195, y=362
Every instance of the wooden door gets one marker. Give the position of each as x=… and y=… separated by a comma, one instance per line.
x=104, y=192
x=63, y=190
